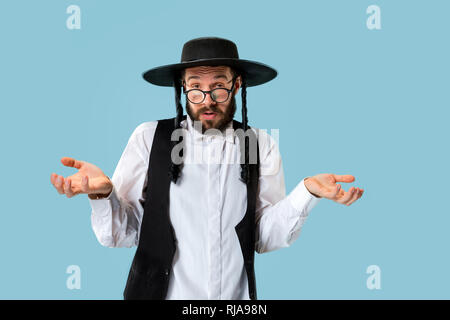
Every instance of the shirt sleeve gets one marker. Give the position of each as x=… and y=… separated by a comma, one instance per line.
x=279, y=218
x=116, y=219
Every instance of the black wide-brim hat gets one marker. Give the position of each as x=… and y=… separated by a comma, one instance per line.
x=211, y=51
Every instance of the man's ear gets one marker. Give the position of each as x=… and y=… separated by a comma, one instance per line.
x=237, y=85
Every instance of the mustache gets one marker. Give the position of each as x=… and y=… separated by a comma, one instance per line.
x=211, y=108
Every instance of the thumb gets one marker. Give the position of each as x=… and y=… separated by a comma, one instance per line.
x=71, y=162
x=343, y=178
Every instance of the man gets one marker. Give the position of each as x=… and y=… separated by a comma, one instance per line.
x=196, y=224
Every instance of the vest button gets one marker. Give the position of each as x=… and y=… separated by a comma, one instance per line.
x=166, y=272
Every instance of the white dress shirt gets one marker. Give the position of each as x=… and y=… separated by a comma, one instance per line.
x=206, y=204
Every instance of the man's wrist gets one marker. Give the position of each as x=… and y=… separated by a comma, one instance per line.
x=306, y=186
x=97, y=196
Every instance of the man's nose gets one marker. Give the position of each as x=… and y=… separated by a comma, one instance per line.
x=208, y=100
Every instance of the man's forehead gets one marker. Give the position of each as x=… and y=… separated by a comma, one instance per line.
x=208, y=71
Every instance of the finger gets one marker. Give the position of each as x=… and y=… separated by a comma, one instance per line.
x=58, y=184
x=85, y=184
x=347, y=195
x=334, y=194
x=344, y=178
x=341, y=193
x=68, y=188
x=54, y=180
x=361, y=191
x=53, y=177
x=354, y=198
x=71, y=162
x=359, y=195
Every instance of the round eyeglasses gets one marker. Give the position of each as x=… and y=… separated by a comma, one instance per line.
x=218, y=95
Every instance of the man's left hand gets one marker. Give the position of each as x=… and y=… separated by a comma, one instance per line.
x=324, y=186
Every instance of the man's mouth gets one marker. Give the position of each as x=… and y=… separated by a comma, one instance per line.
x=209, y=115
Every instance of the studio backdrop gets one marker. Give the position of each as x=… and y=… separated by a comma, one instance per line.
x=362, y=89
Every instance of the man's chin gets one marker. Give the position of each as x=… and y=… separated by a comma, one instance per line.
x=209, y=124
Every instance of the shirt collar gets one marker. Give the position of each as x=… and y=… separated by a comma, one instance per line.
x=197, y=136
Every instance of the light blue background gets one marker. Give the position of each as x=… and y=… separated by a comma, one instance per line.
x=348, y=100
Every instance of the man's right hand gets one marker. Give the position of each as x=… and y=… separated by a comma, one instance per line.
x=89, y=179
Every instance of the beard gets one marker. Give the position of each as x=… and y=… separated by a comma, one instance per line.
x=226, y=116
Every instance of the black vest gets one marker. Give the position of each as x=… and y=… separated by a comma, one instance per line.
x=152, y=263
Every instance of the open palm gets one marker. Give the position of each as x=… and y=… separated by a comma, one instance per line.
x=325, y=185
x=89, y=179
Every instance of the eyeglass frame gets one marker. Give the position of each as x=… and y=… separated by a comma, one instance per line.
x=209, y=92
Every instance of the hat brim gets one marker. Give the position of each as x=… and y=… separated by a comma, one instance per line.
x=255, y=73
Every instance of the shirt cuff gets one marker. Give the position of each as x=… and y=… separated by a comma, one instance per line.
x=301, y=199
x=102, y=206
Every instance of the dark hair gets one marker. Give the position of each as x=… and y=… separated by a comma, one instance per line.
x=175, y=169
x=245, y=169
